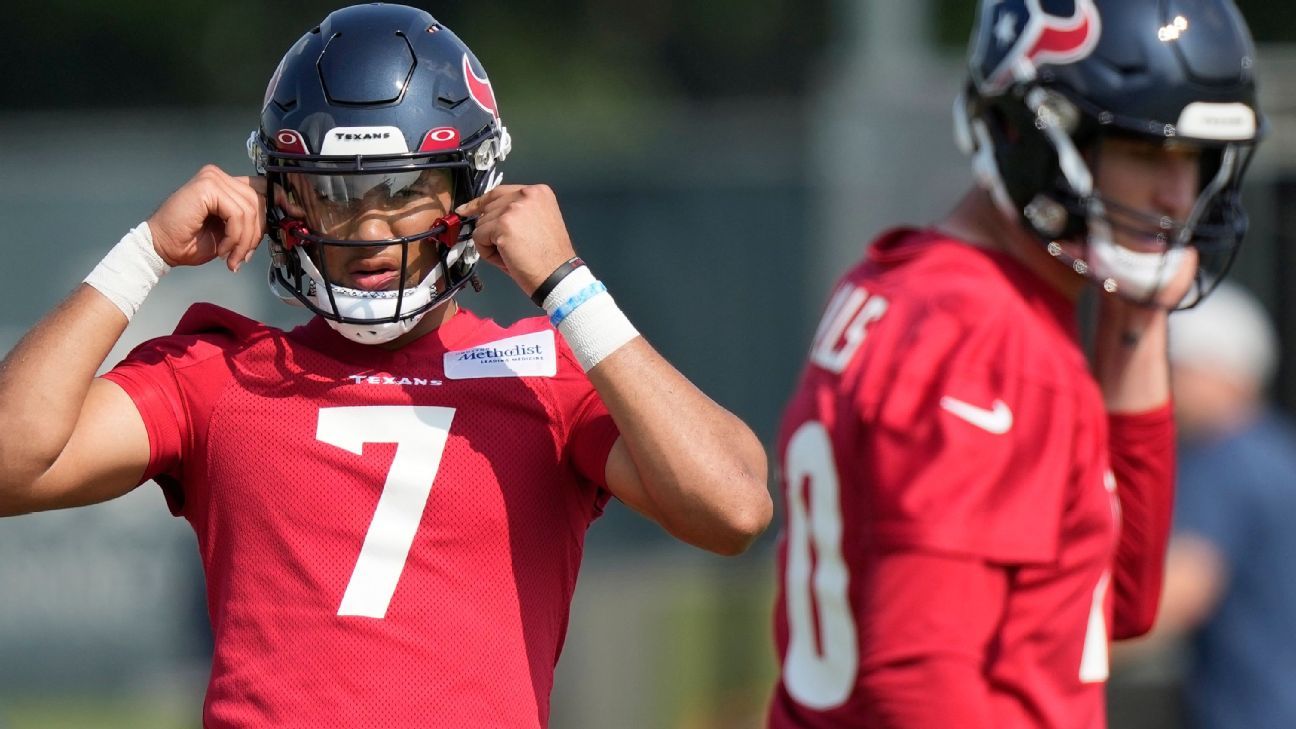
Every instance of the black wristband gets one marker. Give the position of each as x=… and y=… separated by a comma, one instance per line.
x=551, y=283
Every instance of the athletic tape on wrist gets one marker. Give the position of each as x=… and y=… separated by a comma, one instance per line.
x=583, y=311
x=130, y=270
x=567, y=307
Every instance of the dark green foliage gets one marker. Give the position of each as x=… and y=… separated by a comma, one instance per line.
x=149, y=53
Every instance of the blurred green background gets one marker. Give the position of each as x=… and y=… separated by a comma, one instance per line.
x=718, y=163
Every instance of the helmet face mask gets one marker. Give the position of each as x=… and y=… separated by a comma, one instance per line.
x=376, y=125
x=1052, y=84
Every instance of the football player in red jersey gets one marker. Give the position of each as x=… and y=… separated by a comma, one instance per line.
x=974, y=508
x=390, y=501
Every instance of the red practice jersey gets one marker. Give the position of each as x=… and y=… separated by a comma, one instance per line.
x=951, y=526
x=390, y=538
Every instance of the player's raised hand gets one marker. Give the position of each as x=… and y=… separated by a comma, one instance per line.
x=521, y=230
x=213, y=215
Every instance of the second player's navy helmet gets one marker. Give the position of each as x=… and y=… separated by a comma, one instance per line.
x=1049, y=79
x=371, y=100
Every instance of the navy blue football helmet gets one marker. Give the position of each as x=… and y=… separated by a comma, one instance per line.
x=377, y=102
x=1050, y=79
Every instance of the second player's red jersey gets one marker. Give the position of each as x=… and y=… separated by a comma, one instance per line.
x=947, y=411
x=390, y=538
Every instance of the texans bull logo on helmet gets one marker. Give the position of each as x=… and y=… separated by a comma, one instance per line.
x=479, y=88
x=1025, y=34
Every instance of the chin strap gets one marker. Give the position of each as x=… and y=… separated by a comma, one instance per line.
x=456, y=230
x=452, y=226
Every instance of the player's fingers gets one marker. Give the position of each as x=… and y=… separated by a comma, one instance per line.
x=483, y=233
x=487, y=243
x=257, y=183
x=490, y=213
x=251, y=192
x=490, y=254
x=235, y=212
x=484, y=238
x=480, y=205
x=188, y=226
x=472, y=207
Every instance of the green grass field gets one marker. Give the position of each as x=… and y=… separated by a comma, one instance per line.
x=92, y=713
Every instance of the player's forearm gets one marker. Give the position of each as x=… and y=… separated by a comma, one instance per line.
x=44, y=381
x=701, y=470
x=687, y=463
x=1142, y=460
x=1130, y=361
x=1132, y=367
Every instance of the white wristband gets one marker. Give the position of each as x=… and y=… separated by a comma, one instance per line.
x=130, y=270
x=588, y=318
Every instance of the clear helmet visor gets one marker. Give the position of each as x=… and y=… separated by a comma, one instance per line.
x=341, y=205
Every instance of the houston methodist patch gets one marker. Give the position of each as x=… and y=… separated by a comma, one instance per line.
x=528, y=355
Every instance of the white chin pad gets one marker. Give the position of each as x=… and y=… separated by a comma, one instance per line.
x=1139, y=275
x=375, y=333
x=360, y=304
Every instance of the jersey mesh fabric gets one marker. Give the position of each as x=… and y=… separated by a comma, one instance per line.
x=473, y=629
x=1029, y=491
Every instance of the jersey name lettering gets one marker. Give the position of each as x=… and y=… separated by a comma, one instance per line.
x=841, y=331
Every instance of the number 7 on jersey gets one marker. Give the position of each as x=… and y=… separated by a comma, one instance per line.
x=419, y=433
